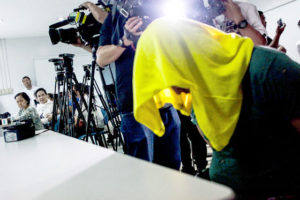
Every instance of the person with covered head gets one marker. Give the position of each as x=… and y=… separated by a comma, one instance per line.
x=246, y=101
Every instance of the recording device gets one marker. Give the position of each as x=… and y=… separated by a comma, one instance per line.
x=17, y=130
x=4, y=118
x=280, y=23
x=87, y=67
x=58, y=64
x=86, y=28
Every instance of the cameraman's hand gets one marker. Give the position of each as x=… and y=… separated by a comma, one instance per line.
x=280, y=29
x=86, y=4
x=78, y=43
x=133, y=24
x=233, y=11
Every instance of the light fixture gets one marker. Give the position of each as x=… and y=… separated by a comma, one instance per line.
x=174, y=9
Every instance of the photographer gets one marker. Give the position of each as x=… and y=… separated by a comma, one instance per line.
x=26, y=111
x=139, y=139
x=275, y=42
x=242, y=18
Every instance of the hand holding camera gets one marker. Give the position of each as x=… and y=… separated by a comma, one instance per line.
x=132, y=30
x=281, y=26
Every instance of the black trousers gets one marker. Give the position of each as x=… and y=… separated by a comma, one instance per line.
x=190, y=139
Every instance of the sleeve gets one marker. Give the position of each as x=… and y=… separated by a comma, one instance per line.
x=106, y=31
x=250, y=12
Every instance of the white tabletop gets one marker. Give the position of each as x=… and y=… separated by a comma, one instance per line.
x=53, y=166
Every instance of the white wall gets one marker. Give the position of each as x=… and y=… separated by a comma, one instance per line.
x=290, y=15
x=21, y=54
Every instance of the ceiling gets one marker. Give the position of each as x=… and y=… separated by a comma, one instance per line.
x=31, y=18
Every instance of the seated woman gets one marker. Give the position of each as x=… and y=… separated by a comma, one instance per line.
x=246, y=101
x=26, y=111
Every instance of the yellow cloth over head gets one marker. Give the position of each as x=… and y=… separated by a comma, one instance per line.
x=192, y=55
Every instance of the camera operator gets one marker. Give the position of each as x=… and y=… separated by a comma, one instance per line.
x=45, y=106
x=26, y=111
x=242, y=18
x=139, y=139
x=275, y=42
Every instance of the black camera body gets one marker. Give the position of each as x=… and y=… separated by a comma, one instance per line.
x=86, y=27
x=19, y=130
x=58, y=64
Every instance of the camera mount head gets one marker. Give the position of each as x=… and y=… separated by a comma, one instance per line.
x=67, y=61
x=58, y=63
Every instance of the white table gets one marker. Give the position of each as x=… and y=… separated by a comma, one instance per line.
x=53, y=166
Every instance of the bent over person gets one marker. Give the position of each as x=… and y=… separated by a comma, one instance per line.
x=246, y=102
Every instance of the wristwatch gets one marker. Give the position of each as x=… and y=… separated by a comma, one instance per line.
x=242, y=24
x=121, y=44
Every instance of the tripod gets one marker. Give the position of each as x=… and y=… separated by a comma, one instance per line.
x=109, y=110
x=64, y=80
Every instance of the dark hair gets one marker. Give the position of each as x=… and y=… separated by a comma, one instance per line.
x=24, y=95
x=26, y=77
x=40, y=89
x=50, y=95
x=299, y=23
x=260, y=13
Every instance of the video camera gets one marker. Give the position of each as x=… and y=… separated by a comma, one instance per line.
x=58, y=64
x=86, y=28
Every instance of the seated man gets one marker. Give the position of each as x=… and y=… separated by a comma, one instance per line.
x=45, y=106
x=246, y=101
x=29, y=88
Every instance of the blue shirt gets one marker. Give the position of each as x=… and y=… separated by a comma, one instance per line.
x=124, y=64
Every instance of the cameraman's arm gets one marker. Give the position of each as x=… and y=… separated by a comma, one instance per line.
x=234, y=13
x=275, y=42
x=108, y=53
x=98, y=13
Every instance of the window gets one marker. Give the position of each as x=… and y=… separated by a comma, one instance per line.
x=5, y=82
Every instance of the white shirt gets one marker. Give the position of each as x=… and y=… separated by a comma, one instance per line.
x=250, y=13
x=298, y=47
x=44, y=109
x=30, y=93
